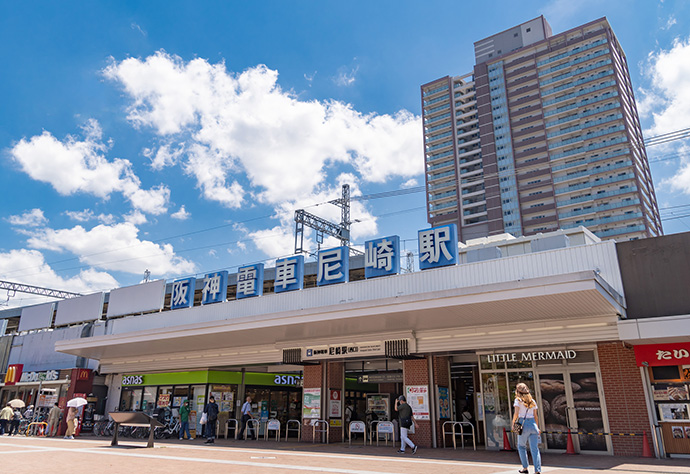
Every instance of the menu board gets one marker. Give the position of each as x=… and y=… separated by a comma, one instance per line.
x=418, y=399
x=674, y=411
x=666, y=392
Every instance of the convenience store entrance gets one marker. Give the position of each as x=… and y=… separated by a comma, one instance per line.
x=282, y=404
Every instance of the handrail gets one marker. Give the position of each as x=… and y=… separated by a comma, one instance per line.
x=254, y=424
x=37, y=429
x=271, y=426
x=361, y=428
x=372, y=430
x=298, y=429
x=227, y=428
x=315, y=424
x=454, y=433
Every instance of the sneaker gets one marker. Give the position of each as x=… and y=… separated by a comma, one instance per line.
x=71, y=437
x=401, y=451
x=414, y=450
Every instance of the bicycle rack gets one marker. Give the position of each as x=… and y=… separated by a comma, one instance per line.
x=298, y=429
x=357, y=427
x=254, y=424
x=372, y=430
x=454, y=433
x=315, y=429
x=234, y=427
x=272, y=425
x=385, y=428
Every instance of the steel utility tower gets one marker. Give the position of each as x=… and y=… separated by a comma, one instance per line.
x=12, y=289
x=324, y=227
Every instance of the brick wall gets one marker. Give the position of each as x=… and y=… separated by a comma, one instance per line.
x=313, y=375
x=624, y=394
x=416, y=372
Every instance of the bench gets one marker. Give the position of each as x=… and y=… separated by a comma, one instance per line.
x=134, y=418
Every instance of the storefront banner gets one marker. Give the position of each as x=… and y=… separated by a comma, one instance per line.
x=13, y=374
x=418, y=399
x=47, y=376
x=662, y=354
x=335, y=405
x=311, y=405
x=163, y=400
x=443, y=403
x=342, y=350
x=528, y=356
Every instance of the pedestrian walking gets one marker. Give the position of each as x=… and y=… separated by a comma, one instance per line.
x=6, y=415
x=71, y=416
x=16, y=420
x=406, y=420
x=211, y=410
x=184, y=420
x=246, y=416
x=525, y=424
x=54, y=420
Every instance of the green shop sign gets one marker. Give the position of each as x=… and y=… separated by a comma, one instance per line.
x=212, y=376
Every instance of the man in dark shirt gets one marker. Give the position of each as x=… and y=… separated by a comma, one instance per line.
x=211, y=410
x=406, y=420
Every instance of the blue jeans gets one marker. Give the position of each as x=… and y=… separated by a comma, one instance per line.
x=530, y=431
x=184, y=428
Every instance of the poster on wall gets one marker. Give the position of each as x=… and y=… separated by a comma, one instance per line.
x=678, y=432
x=443, y=403
x=311, y=405
x=418, y=398
x=335, y=405
x=163, y=400
x=670, y=392
x=674, y=411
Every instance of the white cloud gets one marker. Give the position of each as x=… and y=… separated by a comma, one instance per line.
x=681, y=180
x=79, y=166
x=87, y=215
x=346, y=77
x=181, y=214
x=32, y=218
x=113, y=248
x=138, y=28
x=135, y=218
x=671, y=21
x=165, y=156
x=410, y=183
x=246, y=124
x=310, y=77
x=29, y=267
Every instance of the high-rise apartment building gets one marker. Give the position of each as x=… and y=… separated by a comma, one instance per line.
x=543, y=134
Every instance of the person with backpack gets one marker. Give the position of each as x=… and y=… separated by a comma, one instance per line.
x=406, y=420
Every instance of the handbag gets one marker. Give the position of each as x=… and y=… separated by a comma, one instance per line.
x=406, y=422
x=517, y=426
x=204, y=418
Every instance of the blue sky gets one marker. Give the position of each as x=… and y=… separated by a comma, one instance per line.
x=179, y=137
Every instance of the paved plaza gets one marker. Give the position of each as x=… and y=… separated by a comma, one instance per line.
x=31, y=455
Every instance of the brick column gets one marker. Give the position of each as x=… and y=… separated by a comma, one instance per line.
x=624, y=395
x=334, y=377
x=416, y=372
x=441, y=379
x=81, y=382
x=313, y=377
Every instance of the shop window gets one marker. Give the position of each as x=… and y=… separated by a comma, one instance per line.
x=149, y=402
x=665, y=373
x=180, y=394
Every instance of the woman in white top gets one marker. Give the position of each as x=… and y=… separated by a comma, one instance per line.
x=526, y=414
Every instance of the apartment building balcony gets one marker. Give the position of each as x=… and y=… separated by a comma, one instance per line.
x=465, y=124
x=465, y=95
x=593, y=146
x=592, y=222
x=526, y=99
x=577, y=72
x=581, y=103
x=531, y=151
x=578, y=116
x=592, y=171
x=466, y=115
x=591, y=184
x=573, y=62
x=436, y=176
x=442, y=185
x=593, y=159
x=468, y=202
x=586, y=125
x=592, y=197
x=429, y=102
x=435, y=110
x=527, y=120
x=442, y=196
x=600, y=208
x=528, y=109
x=430, y=120
x=471, y=134
x=465, y=105
x=474, y=212
x=439, y=146
x=580, y=93
x=545, y=207
x=619, y=231
x=531, y=162
x=432, y=138
x=435, y=90
x=445, y=164
x=433, y=158
x=587, y=136
x=572, y=52
x=443, y=206
x=527, y=131
x=540, y=220
x=536, y=196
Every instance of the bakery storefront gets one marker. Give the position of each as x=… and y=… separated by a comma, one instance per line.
x=567, y=385
x=667, y=369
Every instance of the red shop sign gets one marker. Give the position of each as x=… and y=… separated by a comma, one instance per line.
x=663, y=354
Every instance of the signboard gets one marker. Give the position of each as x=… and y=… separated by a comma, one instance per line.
x=342, y=350
x=443, y=403
x=136, y=299
x=250, y=281
x=311, y=403
x=529, y=356
x=381, y=377
x=674, y=411
x=289, y=274
x=662, y=354
x=385, y=427
x=333, y=266
x=335, y=422
x=382, y=257
x=13, y=374
x=215, y=287
x=438, y=246
x=182, y=295
x=335, y=404
x=47, y=376
x=273, y=425
x=357, y=427
x=418, y=399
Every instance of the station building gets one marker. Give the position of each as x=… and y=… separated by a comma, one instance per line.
x=546, y=310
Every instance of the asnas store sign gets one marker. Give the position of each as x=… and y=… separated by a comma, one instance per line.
x=529, y=356
x=287, y=380
x=133, y=380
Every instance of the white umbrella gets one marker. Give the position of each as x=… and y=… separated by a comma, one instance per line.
x=77, y=402
x=17, y=403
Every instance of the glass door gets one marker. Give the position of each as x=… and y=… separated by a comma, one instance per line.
x=496, y=408
x=571, y=400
